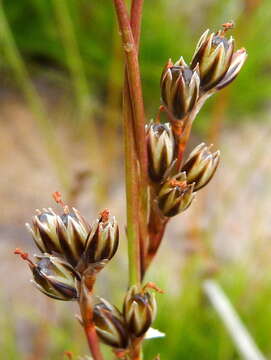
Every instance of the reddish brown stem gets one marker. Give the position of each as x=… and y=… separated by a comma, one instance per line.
x=86, y=308
x=133, y=71
x=135, y=22
x=182, y=143
x=135, y=145
x=182, y=128
x=135, y=352
x=136, y=16
x=132, y=202
x=133, y=86
x=157, y=227
x=93, y=341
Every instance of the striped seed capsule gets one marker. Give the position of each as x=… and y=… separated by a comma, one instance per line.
x=110, y=325
x=55, y=277
x=139, y=310
x=201, y=166
x=161, y=148
x=179, y=88
x=175, y=195
x=217, y=62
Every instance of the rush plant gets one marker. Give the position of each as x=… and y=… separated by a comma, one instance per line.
x=160, y=183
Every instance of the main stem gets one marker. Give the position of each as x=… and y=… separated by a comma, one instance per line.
x=133, y=71
x=135, y=22
x=135, y=140
x=135, y=146
x=132, y=202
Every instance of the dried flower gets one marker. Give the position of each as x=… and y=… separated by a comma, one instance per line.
x=73, y=231
x=65, y=235
x=110, y=325
x=201, y=166
x=71, y=237
x=175, y=195
x=103, y=241
x=139, y=310
x=161, y=147
x=217, y=62
x=237, y=61
x=179, y=88
x=44, y=231
x=55, y=277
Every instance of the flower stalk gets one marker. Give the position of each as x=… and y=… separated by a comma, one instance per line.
x=135, y=152
x=134, y=128
x=86, y=308
x=132, y=203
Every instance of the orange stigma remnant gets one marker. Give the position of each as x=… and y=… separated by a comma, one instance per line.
x=169, y=64
x=104, y=215
x=227, y=26
x=23, y=255
x=58, y=198
x=152, y=285
x=69, y=355
x=180, y=184
x=161, y=108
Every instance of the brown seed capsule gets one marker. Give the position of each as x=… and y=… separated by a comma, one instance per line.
x=201, y=166
x=139, y=310
x=175, y=195
x=237, y=61
x=55, y=277
x=110, y=325
x=65, y=235
x=179, y=88
x=72, y=231
x=44, y=232
x=217, y=62
x=161, y=147
x=103, y=241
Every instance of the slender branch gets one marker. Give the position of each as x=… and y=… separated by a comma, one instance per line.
x=131, y=56
x=135, y=146
x=86, y=308
x=136, y=17
x=137, y=118
x=93, y=342
x=131, y=189
x=135, y=22
x=156, y=231
x=184, y=135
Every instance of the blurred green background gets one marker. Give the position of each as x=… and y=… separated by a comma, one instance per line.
x=60, y=129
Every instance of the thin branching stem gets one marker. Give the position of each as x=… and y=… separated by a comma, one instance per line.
x=136, y=18
x=132, y=202
x=131, y=56
x=135, y=22
x=135, y=145
x=86, y=308
x=136, y=118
